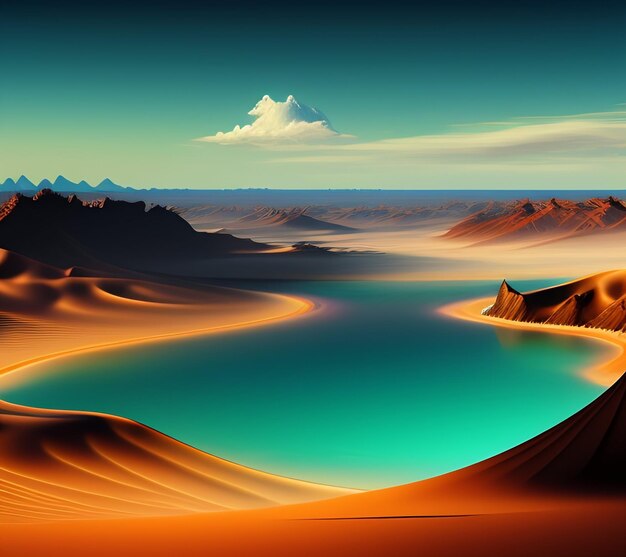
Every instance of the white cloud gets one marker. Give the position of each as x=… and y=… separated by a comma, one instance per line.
x=279, y=123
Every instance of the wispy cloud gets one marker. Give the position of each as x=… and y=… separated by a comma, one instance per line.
x=557, y=137
x=588, y=135
x=276, y=122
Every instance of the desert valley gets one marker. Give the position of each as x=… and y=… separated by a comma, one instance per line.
x=95, y=292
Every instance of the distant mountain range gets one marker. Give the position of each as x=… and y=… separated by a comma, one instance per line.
x=62, y=184
x=544, y=220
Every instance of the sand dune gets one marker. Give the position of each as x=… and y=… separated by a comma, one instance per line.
x=386, y=217
x=327, y=217
x=295, y=218
x=46, y=310
x=69, y=465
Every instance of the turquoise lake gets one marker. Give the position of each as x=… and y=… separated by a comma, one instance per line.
x=372, y=389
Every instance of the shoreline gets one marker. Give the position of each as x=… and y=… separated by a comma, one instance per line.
x=304, y=306
x=603, y=372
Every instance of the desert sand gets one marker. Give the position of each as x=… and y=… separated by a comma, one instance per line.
x=59, y=465
x=545, y=220
x=592, y=306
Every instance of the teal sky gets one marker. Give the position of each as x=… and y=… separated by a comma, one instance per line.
x=96, y=92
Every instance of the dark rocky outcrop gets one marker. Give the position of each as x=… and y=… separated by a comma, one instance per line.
x=67, y=232
x=509, y=304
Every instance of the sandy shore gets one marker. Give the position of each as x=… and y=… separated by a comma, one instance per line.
x=603, y=372
x=273, y=308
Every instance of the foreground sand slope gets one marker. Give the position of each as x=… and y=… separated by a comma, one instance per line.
x=69, y=465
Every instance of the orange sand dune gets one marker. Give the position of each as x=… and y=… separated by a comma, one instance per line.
x=60, y=465
x=45, y=310
x=603, y=372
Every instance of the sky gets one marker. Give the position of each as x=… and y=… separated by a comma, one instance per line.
x=444, y=94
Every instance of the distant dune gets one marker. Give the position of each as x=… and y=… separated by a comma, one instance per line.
x=553, y=219
x=390, y=217
x=291, y=218
x=316, y=218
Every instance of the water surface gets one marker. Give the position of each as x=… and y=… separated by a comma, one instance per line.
x=373, y=389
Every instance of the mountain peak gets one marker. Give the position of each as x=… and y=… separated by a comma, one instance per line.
x=108, y=185
x=23, y=183
x=62, y=184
